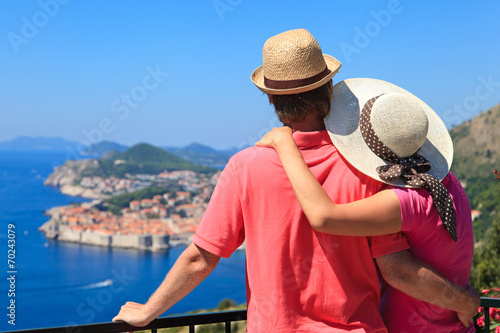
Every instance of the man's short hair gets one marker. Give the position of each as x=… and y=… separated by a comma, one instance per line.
x=295, y=108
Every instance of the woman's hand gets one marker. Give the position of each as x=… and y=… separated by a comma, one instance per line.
x=275, y=136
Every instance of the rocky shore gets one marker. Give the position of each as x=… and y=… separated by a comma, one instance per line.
x=65, y=177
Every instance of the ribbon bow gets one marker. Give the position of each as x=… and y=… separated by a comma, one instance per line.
x=406, y=168
x=412, y=170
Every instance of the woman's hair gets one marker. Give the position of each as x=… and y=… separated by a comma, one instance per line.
x=294, y=108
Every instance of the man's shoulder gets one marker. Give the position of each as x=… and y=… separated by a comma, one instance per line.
x=253, y=155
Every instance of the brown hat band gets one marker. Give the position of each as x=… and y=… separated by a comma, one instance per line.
x=289, y=84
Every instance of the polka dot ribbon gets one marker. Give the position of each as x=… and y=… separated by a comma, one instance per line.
x=412, y=170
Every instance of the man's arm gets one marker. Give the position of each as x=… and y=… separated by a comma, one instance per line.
x=192, y=267
x=419, y=280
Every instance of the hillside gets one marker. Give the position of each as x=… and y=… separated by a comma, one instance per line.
x=105, y=146
x=201, y=154
x=477, y=154
x=477, y=144
x=140, y=159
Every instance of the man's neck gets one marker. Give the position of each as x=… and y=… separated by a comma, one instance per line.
x=310, y=124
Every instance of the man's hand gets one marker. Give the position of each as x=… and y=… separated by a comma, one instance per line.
x=131, y=313
x=419, y=280
x=466, y=316
x=274, y=136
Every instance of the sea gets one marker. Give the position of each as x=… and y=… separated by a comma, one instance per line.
x=55, y=283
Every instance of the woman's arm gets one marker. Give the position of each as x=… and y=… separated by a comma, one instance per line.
x=377, y=215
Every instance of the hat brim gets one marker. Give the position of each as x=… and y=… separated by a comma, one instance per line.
x=332, y=64
x=349, y=97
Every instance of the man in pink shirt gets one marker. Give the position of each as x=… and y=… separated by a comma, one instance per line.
x=298, y=280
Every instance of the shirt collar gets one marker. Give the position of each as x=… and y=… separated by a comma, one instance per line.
x=306, y=140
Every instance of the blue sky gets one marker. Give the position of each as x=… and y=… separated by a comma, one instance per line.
x=176, y=72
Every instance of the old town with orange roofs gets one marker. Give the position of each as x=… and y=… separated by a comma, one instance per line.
x=155, y=224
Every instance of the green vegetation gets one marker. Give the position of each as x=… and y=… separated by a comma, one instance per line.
x=142, y=158
x=477, y=153
x=485, y=271
x=226, y=304
x=117, y=203
x=204, y=155
x=484, y=195
x=182, y=213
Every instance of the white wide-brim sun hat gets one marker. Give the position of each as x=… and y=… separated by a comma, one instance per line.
x=402, y=121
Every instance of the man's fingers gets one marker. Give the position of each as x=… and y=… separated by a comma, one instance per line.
x=133, y=304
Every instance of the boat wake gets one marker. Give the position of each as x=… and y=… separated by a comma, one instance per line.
x=70, y=288
x=101, y=284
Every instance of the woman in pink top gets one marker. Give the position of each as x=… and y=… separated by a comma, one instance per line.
x=392, y=136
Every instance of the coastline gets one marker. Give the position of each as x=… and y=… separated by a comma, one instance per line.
x=56, y=228
x=151, y=225
x=64, y=176
x=79, y=191
x=150, y=221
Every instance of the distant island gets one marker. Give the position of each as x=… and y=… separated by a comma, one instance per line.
x=146, y=198
x=40, y=143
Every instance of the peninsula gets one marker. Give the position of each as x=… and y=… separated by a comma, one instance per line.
x=153, y=209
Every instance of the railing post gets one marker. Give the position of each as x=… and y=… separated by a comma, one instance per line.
x=486, y=319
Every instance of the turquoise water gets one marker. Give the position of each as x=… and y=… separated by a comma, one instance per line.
x=59, y=283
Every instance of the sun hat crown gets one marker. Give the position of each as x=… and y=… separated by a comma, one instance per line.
x=400, y=122
x=293, y=62
x=293, y=54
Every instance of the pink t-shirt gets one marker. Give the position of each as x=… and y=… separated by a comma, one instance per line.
x=298, y=280
x=430, y=242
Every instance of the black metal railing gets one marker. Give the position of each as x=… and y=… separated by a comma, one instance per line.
x=487, y=303
x=226, y=317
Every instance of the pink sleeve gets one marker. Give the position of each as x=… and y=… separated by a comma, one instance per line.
x=408, y=208
x=387, y=244
x=221, y=230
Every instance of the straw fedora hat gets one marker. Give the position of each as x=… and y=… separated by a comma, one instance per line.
x=293, y=63
x=403, y=122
